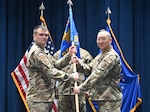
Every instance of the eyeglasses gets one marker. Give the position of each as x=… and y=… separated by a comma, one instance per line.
x=42, y=34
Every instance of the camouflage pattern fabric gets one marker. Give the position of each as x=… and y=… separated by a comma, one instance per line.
x=67, y=102
x=110, y=105
x=40, y=107
x=43, y=73
x=104, y=78
x=64, y=89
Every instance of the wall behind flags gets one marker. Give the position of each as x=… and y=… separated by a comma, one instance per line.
x=130, y=23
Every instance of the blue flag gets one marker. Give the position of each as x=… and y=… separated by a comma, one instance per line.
x=70, y=35
x=129, y=82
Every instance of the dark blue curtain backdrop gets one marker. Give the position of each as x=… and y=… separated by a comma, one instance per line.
x=130, y=23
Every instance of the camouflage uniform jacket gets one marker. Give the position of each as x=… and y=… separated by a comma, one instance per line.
x=65, y=88
x=104, y=78
x=42, y=74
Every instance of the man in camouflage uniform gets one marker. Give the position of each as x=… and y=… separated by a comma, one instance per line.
x=42, y=72
x=66, y=95
x=104, y=76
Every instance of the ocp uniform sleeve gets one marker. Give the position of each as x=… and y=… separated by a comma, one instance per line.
x=86, y=67
x=46, y=65
x=62, y=62
x=101, y=71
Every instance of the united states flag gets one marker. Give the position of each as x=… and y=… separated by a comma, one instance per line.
x=21, y=77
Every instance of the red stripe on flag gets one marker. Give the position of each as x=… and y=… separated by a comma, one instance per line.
x=20, y=85
x=23, y=74
x=25, y=59
x=54, y=107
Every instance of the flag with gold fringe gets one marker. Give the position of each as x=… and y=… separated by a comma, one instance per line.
x=129, y=82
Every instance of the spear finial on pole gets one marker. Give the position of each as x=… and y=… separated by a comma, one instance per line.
x=42, y=8
x=69, y=2
x=108, y=12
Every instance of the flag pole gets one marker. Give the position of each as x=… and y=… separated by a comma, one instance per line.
x=69, y=2
x=75, y=85
x=108, y=21
x=42, y=8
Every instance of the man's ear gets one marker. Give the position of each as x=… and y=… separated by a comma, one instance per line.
x=110, y=40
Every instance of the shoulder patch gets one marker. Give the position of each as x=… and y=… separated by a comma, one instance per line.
x=103, y=64
x=43, y=59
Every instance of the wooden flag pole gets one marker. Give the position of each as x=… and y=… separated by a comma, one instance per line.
x=75, y=85
x=74, y=69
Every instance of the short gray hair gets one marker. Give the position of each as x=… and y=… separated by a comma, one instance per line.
x=39, y=26
x=104, y=31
